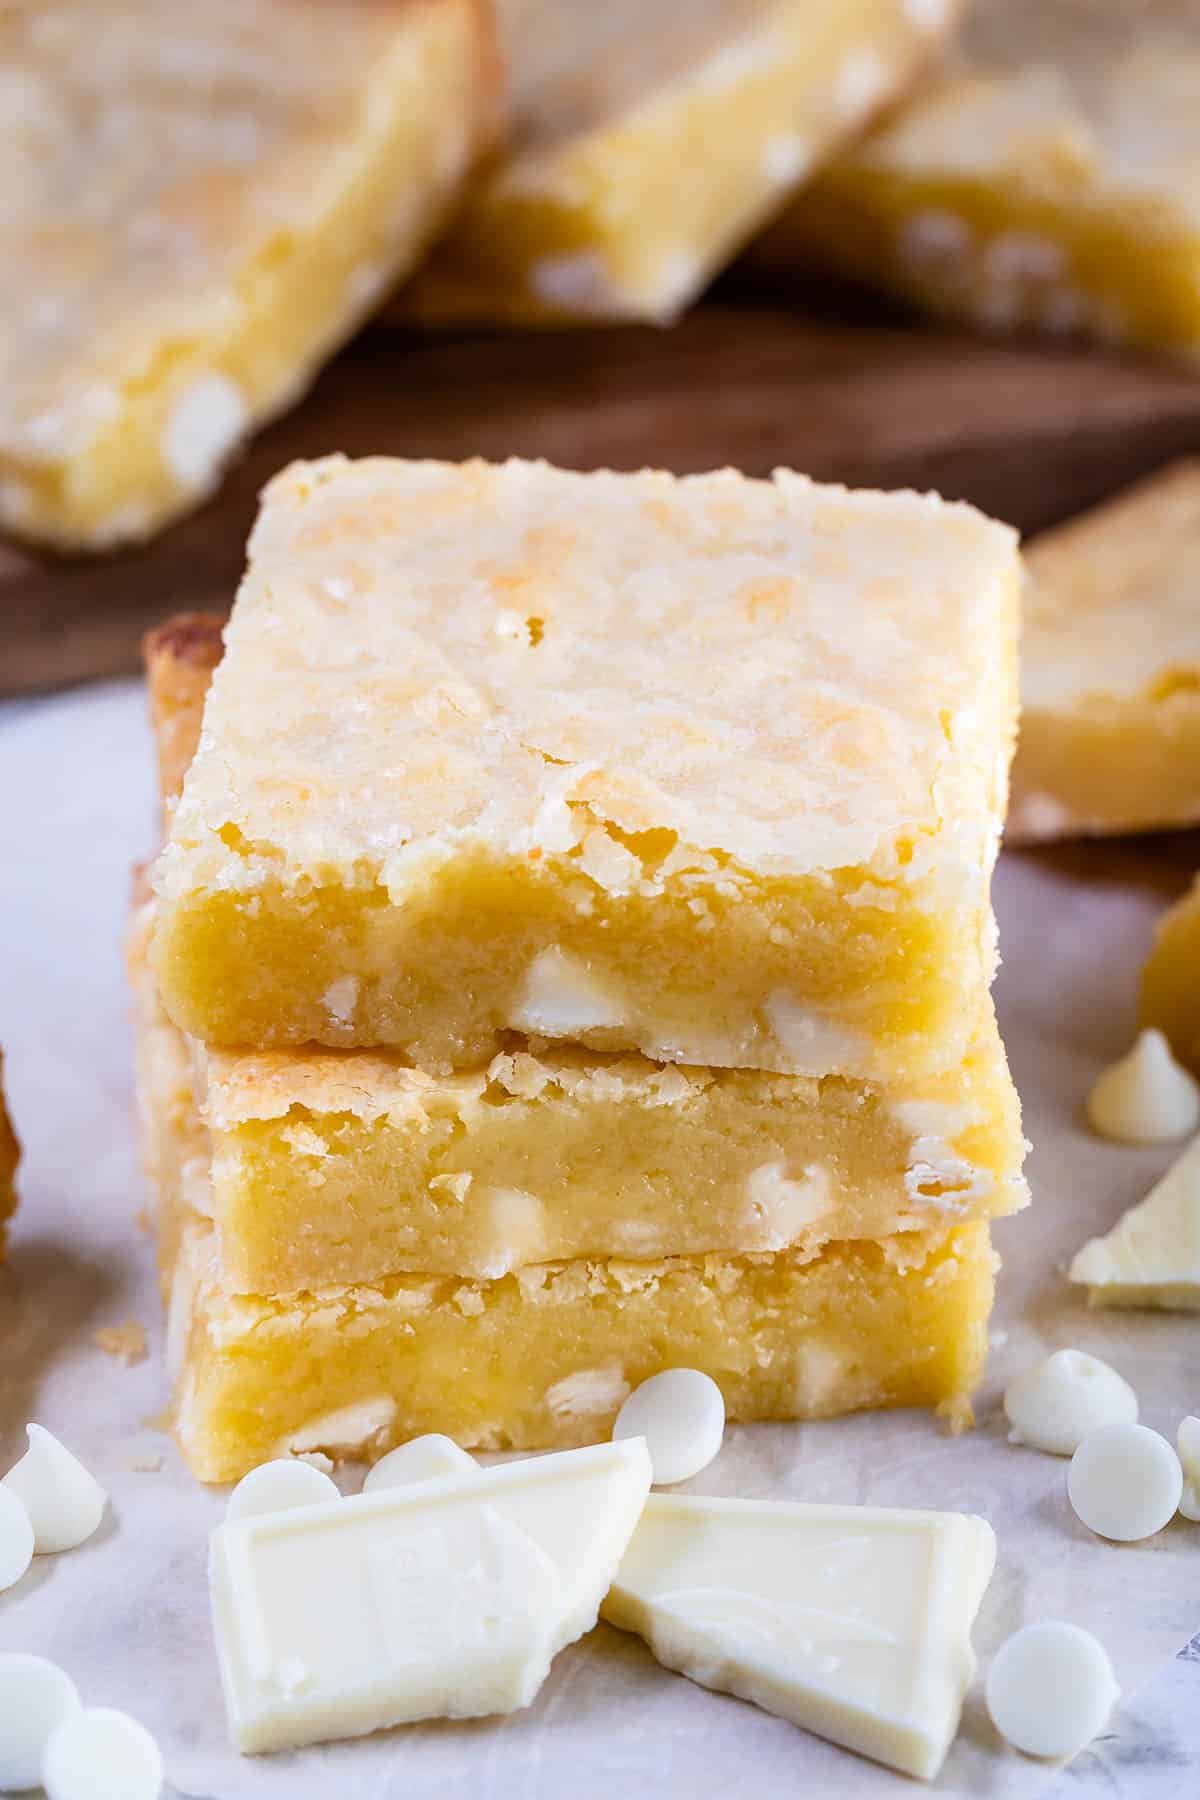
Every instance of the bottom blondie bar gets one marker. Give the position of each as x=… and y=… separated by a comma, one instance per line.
x=542, y=1357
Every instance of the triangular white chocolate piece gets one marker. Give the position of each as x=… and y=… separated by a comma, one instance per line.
x=448, y=1599
x=852, y=1621
x=1151, y=1257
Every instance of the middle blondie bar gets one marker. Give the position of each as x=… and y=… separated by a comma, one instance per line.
x=708, y=768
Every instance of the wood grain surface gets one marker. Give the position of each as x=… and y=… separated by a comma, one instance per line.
x=1030, y=433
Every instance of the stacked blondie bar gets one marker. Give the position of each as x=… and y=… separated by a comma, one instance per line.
x=570, y=957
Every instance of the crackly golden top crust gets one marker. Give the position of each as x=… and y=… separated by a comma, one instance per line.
x=152, y=151
x=426, y=657
x=1113, y=600
x=1066, y=96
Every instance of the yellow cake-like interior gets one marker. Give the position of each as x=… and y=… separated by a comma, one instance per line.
x=348, y=1167
x=712, y=769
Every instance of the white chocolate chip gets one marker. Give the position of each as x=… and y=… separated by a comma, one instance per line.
x=562, y=998
x=588, y=1392
x=578, y=283
x=1125, y=1482
x=421, y=1459
x=1188, y=1443
x=16, y=1539
x=1050, y=1689
x=347, y=1431
x=518, y=1230
x=278, y=1486
x=64, y=1502
x=813, y=1043
x=681, y=1415
x=35, y=1697
x=928, y=15
x=205, y=423
x=1023, y=256
x=780, y=1206
x=934, y=236
x=786, y=157
x=679, y=274
x=101, y=1754
x=860, y=84
x=1054, y=1405
x=1145, y=1098
x=340, y=999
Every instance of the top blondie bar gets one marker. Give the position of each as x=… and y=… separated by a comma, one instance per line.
x=707, y=767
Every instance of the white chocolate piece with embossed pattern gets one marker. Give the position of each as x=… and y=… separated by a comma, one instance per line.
x=851, y=1621
x=447, y=1599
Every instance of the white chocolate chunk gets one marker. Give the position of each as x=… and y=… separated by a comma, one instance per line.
x=1050, y=1689
x=853, y=1622
x=421, y=1459
x=64, y=1501
x=444, y=1599
x=101, y=1754
x=1188, y=1443
x=1057, y=1402
x=1151, y=1257
x=275, y=1486
x=1145, y=1098
x=1125, y=1482
x=814, y=1044
x=347, y=1432
x=205, y=423
x=16, y=1539
x=681, y=1415
x=561, y=998
x=35, y=1697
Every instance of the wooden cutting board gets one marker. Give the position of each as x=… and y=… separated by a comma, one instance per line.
x=1030, y=433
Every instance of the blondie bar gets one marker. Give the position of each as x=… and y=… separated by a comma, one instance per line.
x=648, y=144
x=1110, y=668
x=201, y=203
x=709, y=768
x=542, y=1357
x=1046, y=184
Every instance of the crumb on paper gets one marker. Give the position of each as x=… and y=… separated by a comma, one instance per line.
x=127, y=1340
x=144, y=1462
x=316, y=1459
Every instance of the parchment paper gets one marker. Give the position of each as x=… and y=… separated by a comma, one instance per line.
x=128, y=1613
